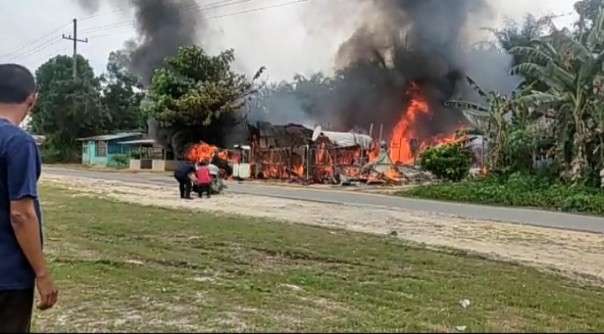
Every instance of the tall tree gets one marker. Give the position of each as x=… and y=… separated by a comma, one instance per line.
x=572, y=70
x=588, y=13
x=514, y=34
x=67, y=109
x=197, y=95
x=122, y=94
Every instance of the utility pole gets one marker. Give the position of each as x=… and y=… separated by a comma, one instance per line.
x=75, y=40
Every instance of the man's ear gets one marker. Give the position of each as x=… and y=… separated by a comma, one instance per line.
x=31, y=101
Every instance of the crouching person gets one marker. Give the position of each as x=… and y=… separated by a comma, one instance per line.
x=184, y=175
x=204, y=179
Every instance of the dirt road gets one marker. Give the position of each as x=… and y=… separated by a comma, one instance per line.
x=573, y=253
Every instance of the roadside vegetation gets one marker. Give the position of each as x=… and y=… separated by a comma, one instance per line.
x=516, y=190
x=545, y=142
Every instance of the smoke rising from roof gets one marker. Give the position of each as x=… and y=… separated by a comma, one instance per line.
x=399, y=42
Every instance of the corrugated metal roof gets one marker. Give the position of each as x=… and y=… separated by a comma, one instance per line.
x=348, y=139
x=111, y=137
x=138, y=142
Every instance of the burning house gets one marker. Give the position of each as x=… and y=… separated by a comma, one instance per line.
x=400, y=63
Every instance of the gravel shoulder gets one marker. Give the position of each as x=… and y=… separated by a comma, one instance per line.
x=572, y=253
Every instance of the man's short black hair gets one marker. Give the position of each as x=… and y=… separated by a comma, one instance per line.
x=16, y=84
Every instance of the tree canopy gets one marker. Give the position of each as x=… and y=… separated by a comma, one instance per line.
x=70, y=108
x=560, y=105
x=197, y=94
x=122, y=94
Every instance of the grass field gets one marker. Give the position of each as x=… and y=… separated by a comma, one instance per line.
x=132, y=268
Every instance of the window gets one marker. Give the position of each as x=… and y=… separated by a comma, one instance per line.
x=85, y=148
x=101, y=148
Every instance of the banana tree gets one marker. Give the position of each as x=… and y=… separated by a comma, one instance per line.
x=493, y=119
x=571, y=71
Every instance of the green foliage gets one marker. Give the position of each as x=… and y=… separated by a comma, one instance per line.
x=588, y=14
x=571, y=68
x=122, y=95
x=50, y=155
x=518, y=190
x=449, y=162
x=121, y=160
x=68, y=109
x=135, y=154
x=194, y=90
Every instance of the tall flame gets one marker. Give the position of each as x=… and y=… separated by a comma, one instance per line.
x=404, y=132
x=405, y=143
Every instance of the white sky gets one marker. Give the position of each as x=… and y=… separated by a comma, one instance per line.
x=278, y=38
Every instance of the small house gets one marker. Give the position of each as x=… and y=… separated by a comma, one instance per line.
x=147, y=154
x=104, y=150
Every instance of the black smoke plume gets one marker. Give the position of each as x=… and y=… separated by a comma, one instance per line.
x=162, y=27
x=400, y=43
x=412, y=41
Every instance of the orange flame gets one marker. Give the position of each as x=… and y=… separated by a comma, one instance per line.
x=204, y=152
x=402, y=150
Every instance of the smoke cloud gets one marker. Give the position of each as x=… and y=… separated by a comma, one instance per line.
x=162, y=27
x=429, y=43
x=376, y=49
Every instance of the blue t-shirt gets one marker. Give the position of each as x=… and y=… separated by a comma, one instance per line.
x=20, y=168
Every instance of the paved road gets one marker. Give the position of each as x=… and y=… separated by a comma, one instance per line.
x=479, y=212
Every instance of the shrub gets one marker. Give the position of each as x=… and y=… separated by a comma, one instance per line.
x=135, y=154
x=448, y=162
x=518, y=190
x=121, y=160
x=50, y=155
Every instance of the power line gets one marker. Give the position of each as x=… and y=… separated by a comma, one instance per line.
x=39, y=48
x=46, y=56
x=16, y=51
x=198, y=8
x=130, y=24
x=181, y=6
x=259, y=9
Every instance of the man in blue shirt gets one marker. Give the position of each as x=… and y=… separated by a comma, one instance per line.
x=183, y=175
x=22, y=264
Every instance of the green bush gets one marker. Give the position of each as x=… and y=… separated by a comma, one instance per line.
x=135, y=154
x=516, y=190
x=449, y=162
x=121, y=160
x=50, y=155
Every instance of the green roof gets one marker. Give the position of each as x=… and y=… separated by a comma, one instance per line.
x=115, y=136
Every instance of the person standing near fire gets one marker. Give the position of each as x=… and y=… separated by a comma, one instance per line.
x=204, y=179
x=185, y=175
